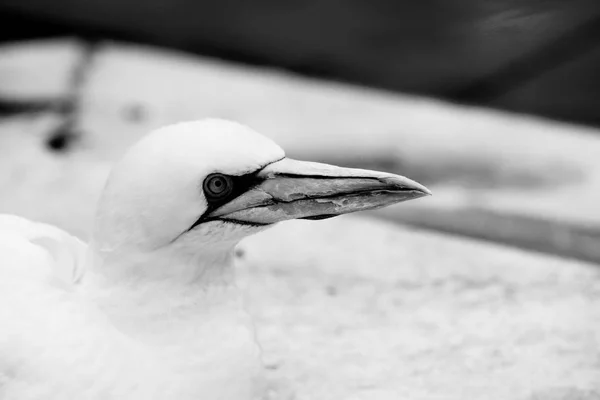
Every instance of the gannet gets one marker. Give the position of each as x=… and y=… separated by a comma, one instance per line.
x=149, y=308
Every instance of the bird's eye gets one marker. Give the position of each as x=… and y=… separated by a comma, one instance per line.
x=218, y=186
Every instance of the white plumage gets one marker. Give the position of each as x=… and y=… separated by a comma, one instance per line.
x=150, y=310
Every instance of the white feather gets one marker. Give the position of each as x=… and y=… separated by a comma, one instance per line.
x=134, y=316
x=150, y=309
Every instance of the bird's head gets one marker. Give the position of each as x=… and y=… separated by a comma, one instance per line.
x=209, y=183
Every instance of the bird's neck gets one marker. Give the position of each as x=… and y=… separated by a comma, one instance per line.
x=175, y=264
x=187, y=314
x=167, y=290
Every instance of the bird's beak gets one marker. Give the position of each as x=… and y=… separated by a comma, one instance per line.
x=291, y=189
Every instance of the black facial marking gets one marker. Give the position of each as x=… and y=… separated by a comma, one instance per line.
x=235, y=186
x=318, y=217
x=239, y=185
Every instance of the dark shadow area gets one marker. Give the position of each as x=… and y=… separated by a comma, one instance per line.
x=538, y=57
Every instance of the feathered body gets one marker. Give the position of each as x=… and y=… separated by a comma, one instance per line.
x=149, y=309
x=97, y=340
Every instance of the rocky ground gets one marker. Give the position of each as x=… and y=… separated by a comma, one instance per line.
x=350, y=308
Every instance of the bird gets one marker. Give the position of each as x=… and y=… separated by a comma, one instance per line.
x=149, y=307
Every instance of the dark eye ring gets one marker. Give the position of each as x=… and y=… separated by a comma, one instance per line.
x=218, y=186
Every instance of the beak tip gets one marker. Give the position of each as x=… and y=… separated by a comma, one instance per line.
x=418, y=193
x=405, y=184
x=426, y=192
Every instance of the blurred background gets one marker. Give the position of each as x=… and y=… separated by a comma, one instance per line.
x=534, y=56
x=488, y=289
x=493, y=103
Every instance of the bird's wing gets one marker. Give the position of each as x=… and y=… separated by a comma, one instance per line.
x=54, y=343
x=28, y=248
x=38, y=266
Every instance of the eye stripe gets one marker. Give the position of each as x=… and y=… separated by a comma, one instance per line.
x=239, y=185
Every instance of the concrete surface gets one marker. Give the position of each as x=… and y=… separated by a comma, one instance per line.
x=354, y=308
x=358, y=309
